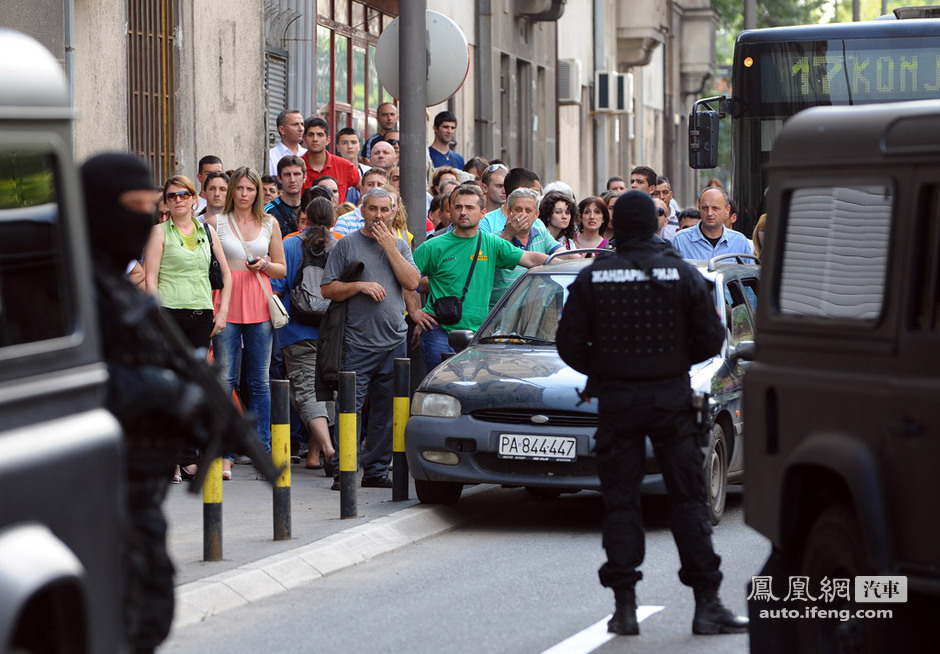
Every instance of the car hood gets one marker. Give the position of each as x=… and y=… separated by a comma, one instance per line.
x=498, y=376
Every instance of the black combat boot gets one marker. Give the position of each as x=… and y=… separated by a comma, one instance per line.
x=623, y=622
x=713, y=617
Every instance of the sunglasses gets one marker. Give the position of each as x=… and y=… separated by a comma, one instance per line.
x=495, y=167
x=392, y=141
x=179, y=195
x=660, y=212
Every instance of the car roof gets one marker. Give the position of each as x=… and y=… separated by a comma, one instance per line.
x=574, y=266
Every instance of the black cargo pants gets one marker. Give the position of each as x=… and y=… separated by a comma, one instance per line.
x=661, y=409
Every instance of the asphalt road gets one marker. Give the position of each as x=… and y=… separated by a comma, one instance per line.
x=521, y=580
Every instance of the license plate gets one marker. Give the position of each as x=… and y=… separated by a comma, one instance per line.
x=537, y=448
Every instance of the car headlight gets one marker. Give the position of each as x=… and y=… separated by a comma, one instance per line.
x=435, y=404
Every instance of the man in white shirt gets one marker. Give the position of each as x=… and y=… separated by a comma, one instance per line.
x=208, y=164
x=290, y=125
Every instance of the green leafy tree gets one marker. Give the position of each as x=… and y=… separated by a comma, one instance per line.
x=868, y=9
x=770, y=13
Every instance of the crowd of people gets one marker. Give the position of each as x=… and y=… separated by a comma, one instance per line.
x=486, y=222
x=228, y=258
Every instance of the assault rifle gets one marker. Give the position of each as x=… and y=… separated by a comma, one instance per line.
x=220, y=427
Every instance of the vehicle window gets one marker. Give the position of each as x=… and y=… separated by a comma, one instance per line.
x=34, y=302
x=742, y=329
x=835, y=252
x=737, y=313
x=751, y=287
x=533, y=308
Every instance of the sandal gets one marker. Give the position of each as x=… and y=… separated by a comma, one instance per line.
x=175, y=479
x=186, y=475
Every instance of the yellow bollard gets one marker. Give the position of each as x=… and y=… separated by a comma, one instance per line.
x=212, y=512
x=401, y=409
x=280, y=454
x=348, y=445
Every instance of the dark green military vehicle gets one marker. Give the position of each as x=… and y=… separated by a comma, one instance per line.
x=60, y=463
x=841, y=402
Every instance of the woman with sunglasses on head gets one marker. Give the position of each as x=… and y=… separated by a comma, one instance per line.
x=176, y=270
x=243, y=225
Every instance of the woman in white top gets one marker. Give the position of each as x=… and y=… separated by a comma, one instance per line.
x=249, y=322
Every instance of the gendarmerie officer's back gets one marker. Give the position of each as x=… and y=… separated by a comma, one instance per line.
x=634, y=323
x=652, y=314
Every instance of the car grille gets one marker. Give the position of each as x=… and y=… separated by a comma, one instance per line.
x=582, y=467
x=523, y=417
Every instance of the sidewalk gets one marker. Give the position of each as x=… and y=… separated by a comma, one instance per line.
x=255, y=566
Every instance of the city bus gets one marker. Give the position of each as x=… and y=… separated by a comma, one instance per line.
x=780, y=71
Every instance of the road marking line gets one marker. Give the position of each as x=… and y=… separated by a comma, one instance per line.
x=596, y=635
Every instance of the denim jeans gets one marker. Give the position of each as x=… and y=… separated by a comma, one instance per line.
x=375, y=376
x=433, y=345
x=258, y=339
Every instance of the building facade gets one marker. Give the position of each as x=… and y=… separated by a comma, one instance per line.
x=578, y=90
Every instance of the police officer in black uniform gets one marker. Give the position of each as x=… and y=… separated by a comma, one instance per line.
x=634, y=323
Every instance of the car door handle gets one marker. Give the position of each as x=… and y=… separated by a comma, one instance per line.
x=905, y=428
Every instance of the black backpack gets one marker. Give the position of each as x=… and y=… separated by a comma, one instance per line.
x=307, y=304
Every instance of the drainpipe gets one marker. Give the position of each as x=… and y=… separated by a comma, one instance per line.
x=485, y=81
x=70, y=57
x=601, y=140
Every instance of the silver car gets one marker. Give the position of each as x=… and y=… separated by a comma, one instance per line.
x=505, y=409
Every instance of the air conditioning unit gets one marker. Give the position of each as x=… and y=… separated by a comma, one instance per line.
x=613, y=92
x=569, y=81
x=605, y=91
x=625, y=92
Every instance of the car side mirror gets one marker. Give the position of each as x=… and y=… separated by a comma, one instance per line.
x=459, y=339
x=745, y=350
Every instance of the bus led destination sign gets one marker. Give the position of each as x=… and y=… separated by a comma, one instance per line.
x=836, y=72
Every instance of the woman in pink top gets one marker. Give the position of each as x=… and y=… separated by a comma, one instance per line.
x=249, y=323
x=594, y=220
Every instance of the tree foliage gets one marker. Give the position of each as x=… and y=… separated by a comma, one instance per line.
x=868, y=9
x=770, y=13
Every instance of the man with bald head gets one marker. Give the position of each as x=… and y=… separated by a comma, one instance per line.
x=710, y=238
x=383, y=156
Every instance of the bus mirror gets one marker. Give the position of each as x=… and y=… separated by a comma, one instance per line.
x=703, y=139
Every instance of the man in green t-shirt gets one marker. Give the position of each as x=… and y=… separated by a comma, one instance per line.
x=445, y=260
x=520, y=230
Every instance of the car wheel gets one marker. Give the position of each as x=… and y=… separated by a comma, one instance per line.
x=716, y=472
x=835, y=549
x=438, y=492
x=543, y=493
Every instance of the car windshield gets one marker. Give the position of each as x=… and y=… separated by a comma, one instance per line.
x=530, y=313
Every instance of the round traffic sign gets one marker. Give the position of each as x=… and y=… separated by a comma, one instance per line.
x=448, y=58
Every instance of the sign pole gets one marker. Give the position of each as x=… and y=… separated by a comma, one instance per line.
x=413, y=73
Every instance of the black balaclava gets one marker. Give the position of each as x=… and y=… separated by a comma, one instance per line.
x=634, y=217
x=117, y=234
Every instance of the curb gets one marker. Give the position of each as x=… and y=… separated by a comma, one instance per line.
x=200, y=600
